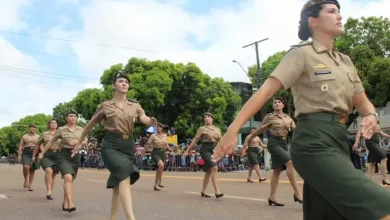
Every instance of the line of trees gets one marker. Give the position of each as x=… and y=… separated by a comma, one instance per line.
x=176, y=94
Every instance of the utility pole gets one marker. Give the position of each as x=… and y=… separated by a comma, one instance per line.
x=259, y=74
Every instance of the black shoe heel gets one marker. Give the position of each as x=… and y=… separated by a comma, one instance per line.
x=156, y=189
x=249, y=181
x=297, y=200
x=72, y=209
x=218, y=195
x=261, y=180
x=270, y=203
x=64, y=209
x=204, y=195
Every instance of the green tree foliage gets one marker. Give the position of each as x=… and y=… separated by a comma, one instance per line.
x=10, y=135
x=176, y=94
x=367, y=42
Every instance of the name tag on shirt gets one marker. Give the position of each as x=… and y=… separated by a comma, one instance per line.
x=324, y=72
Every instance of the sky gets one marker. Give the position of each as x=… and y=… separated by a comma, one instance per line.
x=52, y=49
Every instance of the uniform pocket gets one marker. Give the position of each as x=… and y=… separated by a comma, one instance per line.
x=323, y=86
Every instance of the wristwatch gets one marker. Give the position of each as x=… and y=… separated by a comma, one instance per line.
x=376, y=116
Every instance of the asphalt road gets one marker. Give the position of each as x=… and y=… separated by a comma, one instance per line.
x=180, y=199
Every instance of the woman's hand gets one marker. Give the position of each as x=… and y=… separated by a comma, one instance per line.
x=225, y=146
x=368, y=126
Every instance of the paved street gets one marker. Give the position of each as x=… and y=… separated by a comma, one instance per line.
x=180, y=199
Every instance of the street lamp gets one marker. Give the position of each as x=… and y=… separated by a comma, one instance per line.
x=251, y=120
x=235, y=61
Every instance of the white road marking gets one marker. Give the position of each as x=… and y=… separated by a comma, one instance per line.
x=234, y=197
x=99, y=181
x=2, y=196
x=197, y=193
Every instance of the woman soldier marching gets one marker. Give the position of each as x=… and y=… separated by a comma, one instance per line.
x=119, y=115
x=376, y=153
x=70, y=134
x=325, y=86
x=253, y=147
x=48, y=162
x=210, y=135
x=279, y=125
x=159, y=142
x=25, y=151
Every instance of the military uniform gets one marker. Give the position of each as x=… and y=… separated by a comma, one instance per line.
x=323, y=84
x=159, y=143
x=278, y=128
x=254, y=150
x=50, y=157
x=209, y=135
x=28, y=142
x=118, y=146
x=69, y=139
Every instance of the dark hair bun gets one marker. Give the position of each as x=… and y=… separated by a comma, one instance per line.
x=304, y=32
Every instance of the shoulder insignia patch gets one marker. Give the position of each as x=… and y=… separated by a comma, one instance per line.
x=300, y=45
x=132, y=100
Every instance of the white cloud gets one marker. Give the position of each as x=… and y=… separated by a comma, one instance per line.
x=9, y=14
x=162, y=29
x=25, y=92
x=165, y=28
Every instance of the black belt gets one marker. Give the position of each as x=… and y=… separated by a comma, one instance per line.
x=324, y=116
x=27, y=147
x=119, y=135
x=277, y=137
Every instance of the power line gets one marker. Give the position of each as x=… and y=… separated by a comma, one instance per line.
x=42, y=53
x=44, y=72
x=39, y=81
x=76, y=41
x=32, y=74
x=100, y=44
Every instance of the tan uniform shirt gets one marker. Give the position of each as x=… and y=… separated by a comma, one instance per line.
x=69, y=139
x=45, y=139
x=157, y=141
x=209, y=133
x=255, y=142
x=320, y=81
x=118, y=119
x=278, y=125
x=29, y=140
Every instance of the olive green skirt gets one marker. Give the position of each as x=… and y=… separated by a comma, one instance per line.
x=277, y=147
x=158, y=154
x=118, y=156
x=333, y=188
x=49, y=160
x=206, y=152
x=254, y=156
x=66, y=164
x=376, y=153
x=27, y=158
